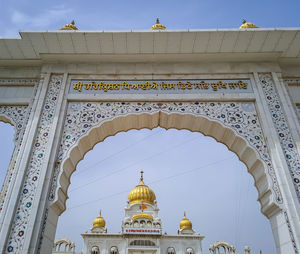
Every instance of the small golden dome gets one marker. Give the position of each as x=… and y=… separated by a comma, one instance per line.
x=158, y=26
x=246, y=24
x=99, y=222
x=69, y=26
x=142, y=215
x=141, y=193
x=185, y=223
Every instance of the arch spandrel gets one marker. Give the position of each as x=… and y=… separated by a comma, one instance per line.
x=234, y=124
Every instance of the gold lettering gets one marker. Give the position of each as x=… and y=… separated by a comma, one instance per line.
x=134, y=86
x=88, y=86
x=95, y=85
x=154, y=86
x=163, y=85
x=189, y=85
x=232, y=85
x=214, y=86
x=77, y=86
x=104, y=87
x=125, y=86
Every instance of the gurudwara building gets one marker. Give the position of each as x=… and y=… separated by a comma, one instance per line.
x=141, y=230
x=66, y=90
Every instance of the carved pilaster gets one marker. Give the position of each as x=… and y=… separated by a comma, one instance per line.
x=27, y=196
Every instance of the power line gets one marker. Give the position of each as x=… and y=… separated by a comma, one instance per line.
x=153, y=182
x=117, y=153
x=130, y=165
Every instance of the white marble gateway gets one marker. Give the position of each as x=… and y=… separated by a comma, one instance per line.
x=193, y=80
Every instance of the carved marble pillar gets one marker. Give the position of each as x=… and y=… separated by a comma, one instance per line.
x=285, y=223
x=23, y=224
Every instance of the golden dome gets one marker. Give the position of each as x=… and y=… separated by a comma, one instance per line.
x=142, y=215
x=99, y=222
x=141, y=193
x=246, y=24
x=158, y=26
x=69, y=26
x=185, y=223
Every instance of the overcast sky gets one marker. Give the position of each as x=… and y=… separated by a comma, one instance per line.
x=187, y=171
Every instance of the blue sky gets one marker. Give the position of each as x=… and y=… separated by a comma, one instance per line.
x=186, y=170
x=27, y=15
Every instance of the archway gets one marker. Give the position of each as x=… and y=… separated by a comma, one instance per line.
x=235, y=143
x=163, y=145
x=233, y=129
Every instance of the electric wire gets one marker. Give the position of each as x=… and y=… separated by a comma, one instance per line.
x=238, y=209
x=245, y=212
x=153, y=182
x=132, y=164
x=116, y=153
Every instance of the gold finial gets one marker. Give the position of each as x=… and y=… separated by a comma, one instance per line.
x=185, y=223
x=99, y=222
x=158, y=26
x=141, y=193
x=69, y=26
x=247, y=250
x=246, y=24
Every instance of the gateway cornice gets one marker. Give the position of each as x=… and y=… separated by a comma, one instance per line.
x=280, y=43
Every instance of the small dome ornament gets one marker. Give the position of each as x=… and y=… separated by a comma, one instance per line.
x=69, y=26
x=158, y=26
x=246, y=25
x=99, y=222
x=185, y=223
x=141, y=193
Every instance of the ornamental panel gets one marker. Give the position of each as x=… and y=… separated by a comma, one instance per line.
x=281, y=125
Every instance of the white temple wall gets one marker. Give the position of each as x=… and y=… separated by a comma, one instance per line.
x=180, y=245
x=42, y=219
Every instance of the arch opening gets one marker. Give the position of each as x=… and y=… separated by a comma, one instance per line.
x=114, y=180
x=7, y=146
x=234, y=142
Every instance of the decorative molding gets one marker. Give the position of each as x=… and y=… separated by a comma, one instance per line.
x=240, y=117
x=291, y=232
x=294, y=82
x=21, y=82
x=35, y=165
x=281, y=125
x=43, y=229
